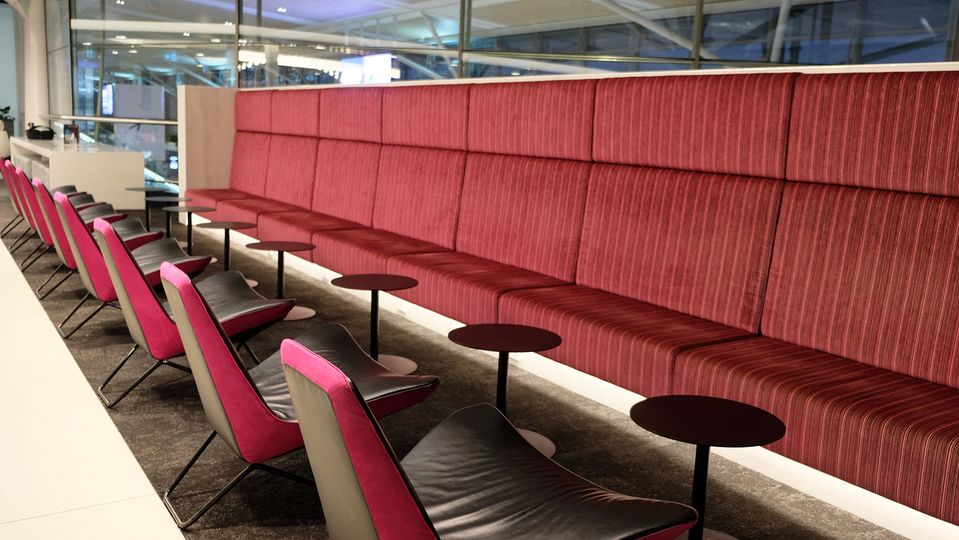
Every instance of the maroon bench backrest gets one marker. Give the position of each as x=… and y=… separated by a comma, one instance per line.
x=872, y=274
x=525, y=185
x=251, y=144
x=695, y=242
x=294, y=124
x=421, y=167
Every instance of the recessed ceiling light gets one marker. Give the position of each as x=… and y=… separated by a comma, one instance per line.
x=121, y=37
x=320, y=48
x=281, y=9
x=215, y=40
x=114, y=52
x=228, y=23
x=86, y=44
x=199, y=54
x=133, y=51
x=186, y=34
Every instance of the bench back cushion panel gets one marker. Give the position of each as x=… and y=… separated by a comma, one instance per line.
x=427, y=116
x=735, y=124
x=692, y=242
x=868, y=275
x=544, y=119
x=346, y=180
x=253, y=111
x=418, y=193
x=296, y=112
x=291, y=168
x=251, y=152
x=896, y=131
x=351, y=114
x=526, y=212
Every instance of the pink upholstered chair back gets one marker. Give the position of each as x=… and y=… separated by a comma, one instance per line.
x=93, y=271
x=49, y=211
x=232, y=404
x=149, y=324
x=6, y=168
x=364, y=493
x=26, y=193
x=34, y=203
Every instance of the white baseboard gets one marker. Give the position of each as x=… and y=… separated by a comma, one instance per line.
x=872, y=507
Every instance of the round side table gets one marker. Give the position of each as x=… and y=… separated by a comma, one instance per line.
x=227, y=226
x=706, y=422
x=173, y=200
x=376, y=283
x=298, y=312
x=146, y=202
x=189, y=220
x=504, y=339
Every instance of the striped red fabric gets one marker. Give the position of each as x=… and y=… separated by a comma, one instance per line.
x=896, y=131
x=692, y=242
x=629, y=343
x=296, y=112
x=418, y=193
x=292, y=164
x=525, y=212
x=252, y=110
x=429, y=116
x=352, y=114
x=889, y=433
x=735, y=124
x=345, y=183
x=298, y=226
x=211, y=197
x=251, y=152
x=542, y=119
x=460, y=286
x=363, y=251
x=249, y=210
x=868, y=275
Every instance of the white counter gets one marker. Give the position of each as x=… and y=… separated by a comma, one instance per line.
x=100, y=169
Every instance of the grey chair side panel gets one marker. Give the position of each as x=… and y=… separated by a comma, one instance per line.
x=212, y=406
x=344, y=506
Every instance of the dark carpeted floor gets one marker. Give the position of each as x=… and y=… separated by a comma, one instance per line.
x=163, y=423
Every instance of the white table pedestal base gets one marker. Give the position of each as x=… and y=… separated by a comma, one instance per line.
x=539, y=441
x=298, y=313
x=397, y=364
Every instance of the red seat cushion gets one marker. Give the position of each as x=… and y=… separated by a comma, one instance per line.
x=461, y=286
x=629, y=343
x=299, y=226
x=363, y=251
x=889, y=433
x=212, y=197
x=250, y=210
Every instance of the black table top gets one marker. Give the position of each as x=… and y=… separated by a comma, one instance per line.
x=145, y=189
x=375, y=282
x=708, y=420
x=281, y=246
x=226, y=225
x=168, y=199
x=505, y=337
x=188, y=209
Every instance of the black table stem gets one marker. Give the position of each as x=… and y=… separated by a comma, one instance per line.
x=502, y=379
x=700, y=473
x=375, y=324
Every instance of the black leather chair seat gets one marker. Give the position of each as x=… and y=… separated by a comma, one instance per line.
x=68, y=188
x=230, y=297
x=82, y=199
x=150, y=256
x=98, y=210
x=478, y=478
x=384, y=391
x=236, y=306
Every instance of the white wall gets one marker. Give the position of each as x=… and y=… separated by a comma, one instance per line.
x=8, y=63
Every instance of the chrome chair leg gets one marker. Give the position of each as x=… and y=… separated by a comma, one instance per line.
x=11, y=225
x=184, y=523
x=21, y=240
x=40, y=295
x=84, y=321
x=24, y=264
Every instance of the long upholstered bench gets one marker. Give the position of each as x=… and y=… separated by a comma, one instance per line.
x=787, y=240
